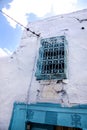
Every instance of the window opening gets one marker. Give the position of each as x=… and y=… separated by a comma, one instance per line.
x=52, y=61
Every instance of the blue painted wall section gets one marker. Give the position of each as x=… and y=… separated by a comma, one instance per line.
x=51, y=114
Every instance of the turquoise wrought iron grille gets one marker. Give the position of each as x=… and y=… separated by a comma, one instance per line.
x=52, y=61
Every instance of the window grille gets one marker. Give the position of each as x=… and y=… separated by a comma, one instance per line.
x=52, y=59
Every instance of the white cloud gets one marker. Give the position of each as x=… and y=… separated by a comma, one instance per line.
x=3, y=53
x=7, y=51
x=19, y=8
x=64, y=6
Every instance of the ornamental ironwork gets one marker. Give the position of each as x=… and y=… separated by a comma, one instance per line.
x=52, y=61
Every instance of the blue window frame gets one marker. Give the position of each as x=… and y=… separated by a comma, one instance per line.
x=52, y=61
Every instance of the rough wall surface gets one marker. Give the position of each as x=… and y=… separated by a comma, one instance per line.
x=18, y=82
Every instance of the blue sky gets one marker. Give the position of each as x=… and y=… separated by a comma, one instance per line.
x=27, y=11
x=9, y=36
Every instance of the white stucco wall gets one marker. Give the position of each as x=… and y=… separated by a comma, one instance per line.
x=16, y=71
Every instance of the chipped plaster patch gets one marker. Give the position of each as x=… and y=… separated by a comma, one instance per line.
x=51, y=92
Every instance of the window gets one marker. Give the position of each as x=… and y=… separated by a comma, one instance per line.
x=52, y=61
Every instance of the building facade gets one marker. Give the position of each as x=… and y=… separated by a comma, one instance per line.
x=44, y=80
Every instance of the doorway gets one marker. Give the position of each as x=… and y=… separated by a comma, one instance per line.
x=38, y=126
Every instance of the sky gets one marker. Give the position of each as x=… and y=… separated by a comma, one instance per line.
x=25, y=11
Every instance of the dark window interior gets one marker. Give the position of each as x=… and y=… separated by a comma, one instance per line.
x=53, y=58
